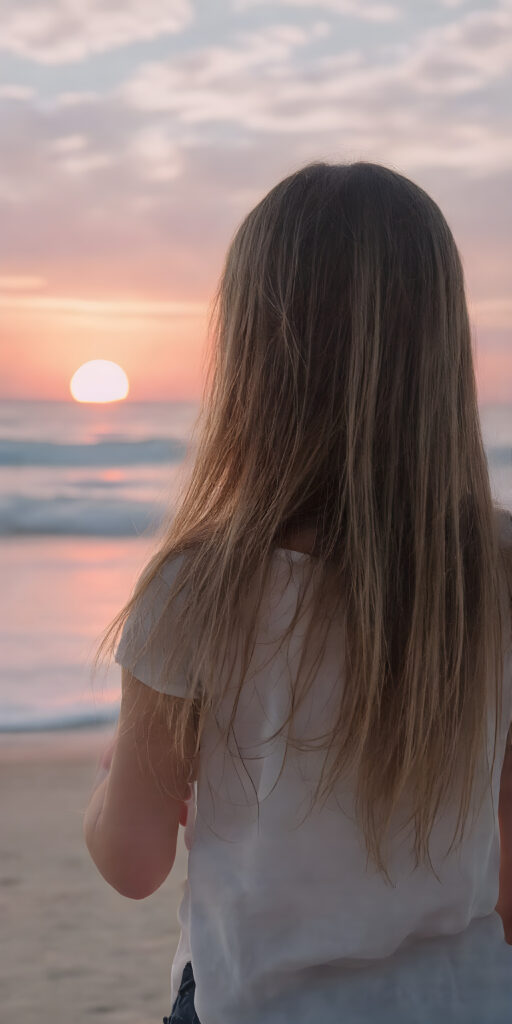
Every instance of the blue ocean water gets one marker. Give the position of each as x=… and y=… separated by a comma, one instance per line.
x=82, y=490
x=70, y=468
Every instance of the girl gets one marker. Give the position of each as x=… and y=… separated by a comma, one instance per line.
x=317, y=661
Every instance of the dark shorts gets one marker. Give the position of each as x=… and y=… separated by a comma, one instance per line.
x=183, y=1011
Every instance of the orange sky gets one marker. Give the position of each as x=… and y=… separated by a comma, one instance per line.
x=162, y=346
x=134, y=146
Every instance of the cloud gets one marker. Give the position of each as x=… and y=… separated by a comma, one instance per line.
x=102, y=199
x=465, y=55
x=74, y=154
x=77, y=99
x=114, y=309
x=57, y=31
x=15, y=92
x=379, y=12
x=141, y=187
x=404, y=104
x=495, y=314
x=157, y=157
x=20, y=282
x=69, y=144
x=219, y=83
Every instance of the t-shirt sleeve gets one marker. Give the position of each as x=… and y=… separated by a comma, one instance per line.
x=146, y=622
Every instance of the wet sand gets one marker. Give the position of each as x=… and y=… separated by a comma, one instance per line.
x=71, y=948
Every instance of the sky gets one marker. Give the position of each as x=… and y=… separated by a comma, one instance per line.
x=137, y=134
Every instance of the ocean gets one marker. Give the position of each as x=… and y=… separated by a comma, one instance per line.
x=82, y=492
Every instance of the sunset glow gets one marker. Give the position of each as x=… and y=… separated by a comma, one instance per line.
x=157, y=132
x=99, y=380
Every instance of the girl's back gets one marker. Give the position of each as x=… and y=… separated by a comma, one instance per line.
x=347, y=706
x=281, y=916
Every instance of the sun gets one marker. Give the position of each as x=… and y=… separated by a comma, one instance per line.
x=99, y=380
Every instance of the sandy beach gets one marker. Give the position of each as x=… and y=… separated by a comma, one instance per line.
x=72, y=949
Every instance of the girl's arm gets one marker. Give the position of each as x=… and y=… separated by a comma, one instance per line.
x=98, y=788
x=131, y=823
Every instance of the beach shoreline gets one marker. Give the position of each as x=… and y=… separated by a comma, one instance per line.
x=85, y=743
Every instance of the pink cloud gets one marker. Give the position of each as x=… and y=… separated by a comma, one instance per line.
x=55, y=31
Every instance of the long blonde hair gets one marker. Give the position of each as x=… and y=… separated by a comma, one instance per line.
x=340, y=394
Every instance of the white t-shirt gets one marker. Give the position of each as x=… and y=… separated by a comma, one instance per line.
x=283, y=922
